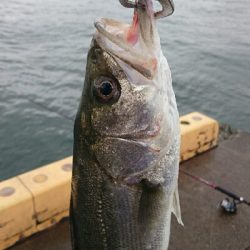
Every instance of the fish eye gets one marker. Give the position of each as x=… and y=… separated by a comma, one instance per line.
x=106, y=90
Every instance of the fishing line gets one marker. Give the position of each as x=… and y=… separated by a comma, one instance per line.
x=229, y=206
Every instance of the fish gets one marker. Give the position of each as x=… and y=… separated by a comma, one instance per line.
x=126, y=140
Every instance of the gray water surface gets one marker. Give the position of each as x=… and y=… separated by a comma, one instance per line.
x=43, y=48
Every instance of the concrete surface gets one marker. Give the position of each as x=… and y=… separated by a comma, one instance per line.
x=206, y=227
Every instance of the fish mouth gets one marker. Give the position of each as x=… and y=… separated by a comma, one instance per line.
x=133, y=44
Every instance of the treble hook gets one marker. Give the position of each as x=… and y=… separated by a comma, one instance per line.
x=167, y=7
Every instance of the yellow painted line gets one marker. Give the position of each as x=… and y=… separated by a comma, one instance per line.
x=34, y=201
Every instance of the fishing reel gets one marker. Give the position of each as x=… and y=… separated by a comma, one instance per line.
x=230, y=206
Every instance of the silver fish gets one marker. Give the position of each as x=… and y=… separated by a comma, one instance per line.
x=126, y=141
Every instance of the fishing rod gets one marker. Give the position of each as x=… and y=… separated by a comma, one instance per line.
x=229, y=206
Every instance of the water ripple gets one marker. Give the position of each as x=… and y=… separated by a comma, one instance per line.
x=43, y=47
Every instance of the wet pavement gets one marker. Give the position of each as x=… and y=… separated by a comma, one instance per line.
x=206, y=226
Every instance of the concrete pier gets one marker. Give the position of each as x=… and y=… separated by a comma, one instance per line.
x=206, y=226
x=24, y=206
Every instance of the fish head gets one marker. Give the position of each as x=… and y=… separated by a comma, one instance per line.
x=125, y=99
x=119, y=105
x=125, y=62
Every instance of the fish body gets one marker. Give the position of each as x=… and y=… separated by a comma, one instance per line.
x=126, y=141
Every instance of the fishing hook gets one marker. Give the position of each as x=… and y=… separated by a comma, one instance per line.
x=167, y=7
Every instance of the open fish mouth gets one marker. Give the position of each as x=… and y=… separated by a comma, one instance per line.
x=115, y=38
x=136, y=44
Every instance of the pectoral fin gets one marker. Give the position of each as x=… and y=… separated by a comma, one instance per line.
x=176, y=210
